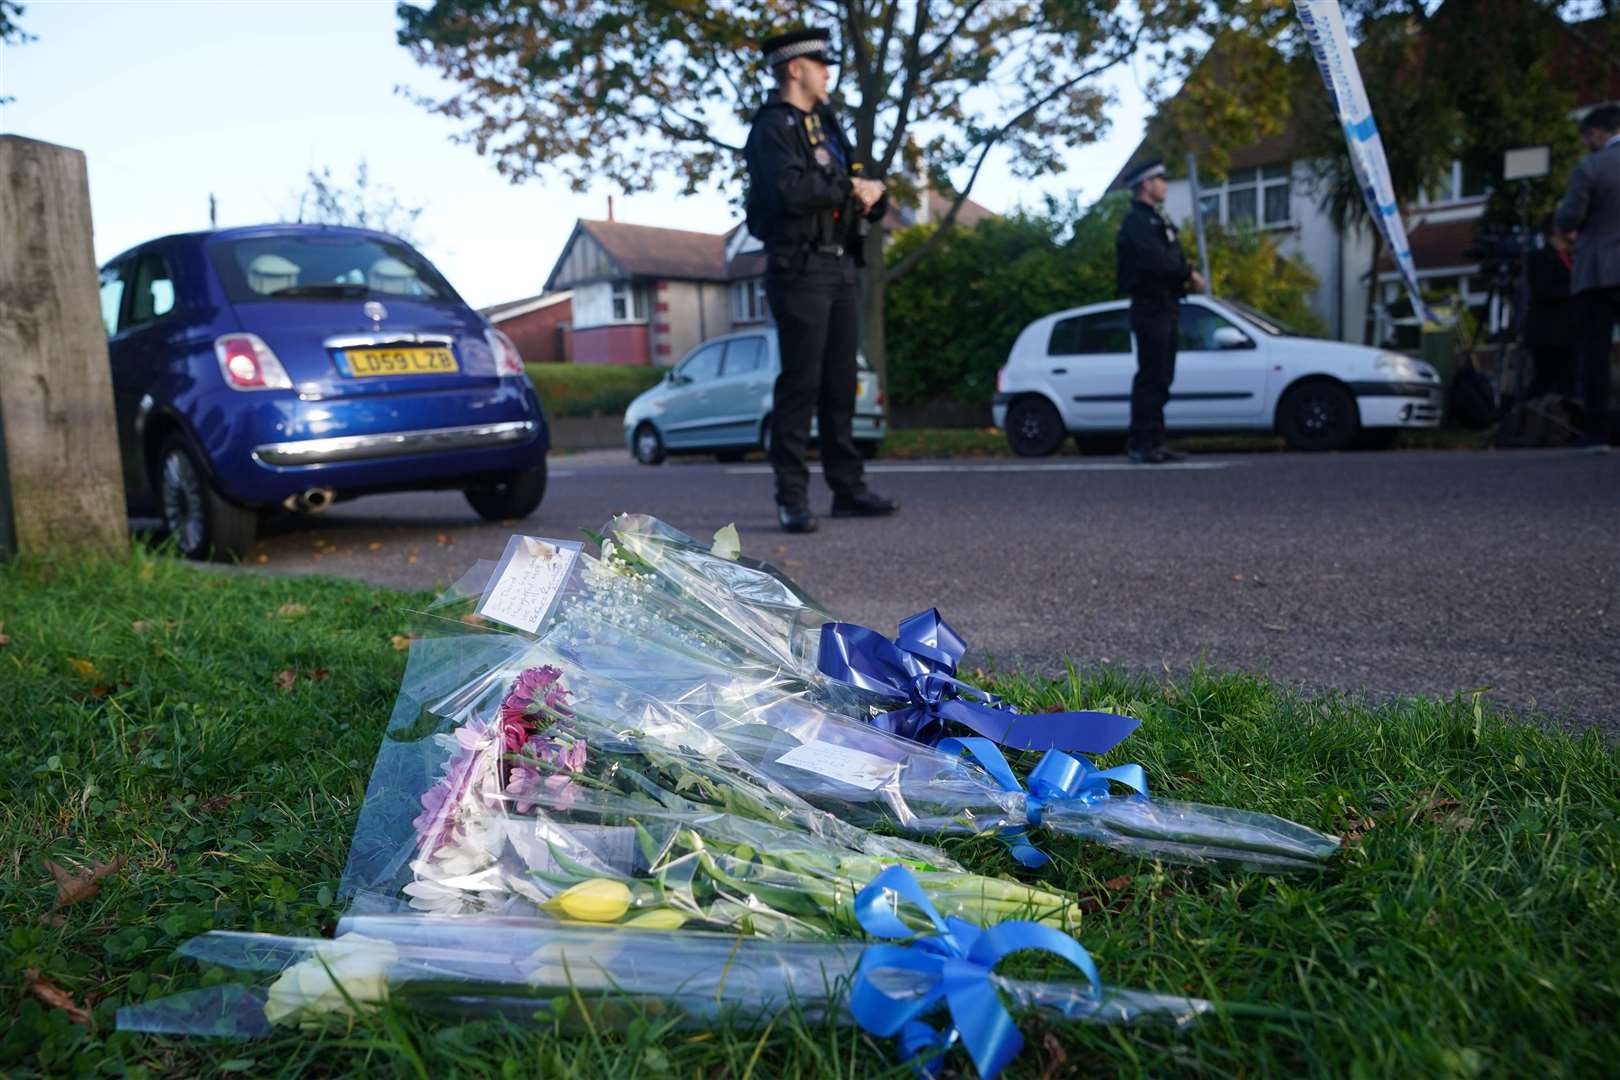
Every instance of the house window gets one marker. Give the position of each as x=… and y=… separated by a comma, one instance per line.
x=748, y=301
x=1457, y=183
x=1258, y=196
x=629, y=302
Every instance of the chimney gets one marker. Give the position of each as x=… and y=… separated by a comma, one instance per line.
x=610, y=208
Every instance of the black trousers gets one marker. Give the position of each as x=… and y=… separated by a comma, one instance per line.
x=1596, y=312
x=1554, y=370
x=815, y=301
x=1154, y=324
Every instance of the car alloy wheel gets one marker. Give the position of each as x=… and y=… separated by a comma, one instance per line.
x=1318, y=416
x=185, y=512
x=649, y=447
x=1034, y=428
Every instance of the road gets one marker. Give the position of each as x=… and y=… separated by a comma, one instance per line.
x=1385, y=573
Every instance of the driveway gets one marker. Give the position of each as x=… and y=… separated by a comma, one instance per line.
x=1388, y=573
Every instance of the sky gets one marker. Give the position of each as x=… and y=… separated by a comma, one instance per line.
x=173, y=101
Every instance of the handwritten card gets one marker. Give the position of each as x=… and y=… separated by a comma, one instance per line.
x=845, y=764
x=526, y=582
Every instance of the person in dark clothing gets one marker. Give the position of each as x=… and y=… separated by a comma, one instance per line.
x=1154, y=272
x=1590, y=212
x=810, y=207
x=1549, y=330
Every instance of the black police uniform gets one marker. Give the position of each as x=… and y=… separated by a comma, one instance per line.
x=801, y=206
x=1153, y=271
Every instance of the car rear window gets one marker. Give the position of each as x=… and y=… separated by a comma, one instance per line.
x=331, y=266
x=1083, y=335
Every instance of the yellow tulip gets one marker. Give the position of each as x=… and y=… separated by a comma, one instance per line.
x=597, y=900
x=657, y=919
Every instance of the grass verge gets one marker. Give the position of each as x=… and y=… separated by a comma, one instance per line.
x=568, y=390
x=215, y=731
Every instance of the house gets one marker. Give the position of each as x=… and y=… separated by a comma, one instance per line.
x=649, y=295
x=538, y=325
x=1267, y=184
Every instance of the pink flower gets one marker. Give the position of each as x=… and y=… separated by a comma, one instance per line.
x=573, y=758
x=434, y=825
x=560, y=791
x=557, y=700
x=524, y=780
x=530, y=683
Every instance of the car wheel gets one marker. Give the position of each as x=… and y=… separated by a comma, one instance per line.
x=1100, y=445
x=204, y=524
x=1317, y=416
x=1034, y=428
x=649, y=445
x=766, y=433
x=869, y=448
x=516, y=496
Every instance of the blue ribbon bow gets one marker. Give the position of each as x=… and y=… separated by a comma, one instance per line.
x=957, y=962
x=1056, y=776
x=919, y=666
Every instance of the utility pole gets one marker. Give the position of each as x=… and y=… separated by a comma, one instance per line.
x=1198, y=221
x=213, y=212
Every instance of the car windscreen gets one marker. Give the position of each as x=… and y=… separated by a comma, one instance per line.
x=1267, y=324
x=312, y=266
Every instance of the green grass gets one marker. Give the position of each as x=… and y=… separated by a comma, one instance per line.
x=1469, y=927
x=590, y=389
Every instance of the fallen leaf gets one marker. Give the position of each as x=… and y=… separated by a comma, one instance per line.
x=443, y=539
x=1237, y=577
x=320, y=674
x=400, y=642
x=263, y=559
x=374, y=547
x=146, y=572
x=85, y=669
x=218, y=803
x=410, y=560
x=289, y=611
x=285, y=680
x=54, y=996
x=141, y=626
x=4, y=641
x=72, y=888
x=1057, y=1062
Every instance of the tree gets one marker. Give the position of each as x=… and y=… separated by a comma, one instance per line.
x=367, y=205
x=1247, y=266
x=11, y=32
x=624, y=91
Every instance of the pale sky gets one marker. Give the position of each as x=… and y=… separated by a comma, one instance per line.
x=172, y=101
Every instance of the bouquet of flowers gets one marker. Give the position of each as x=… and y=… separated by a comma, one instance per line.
x=532, y=970
x=539, y=787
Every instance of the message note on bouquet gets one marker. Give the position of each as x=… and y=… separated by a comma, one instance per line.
x=843, y=763
x=526, y=583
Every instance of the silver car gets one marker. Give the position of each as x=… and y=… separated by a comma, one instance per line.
x=717, y=400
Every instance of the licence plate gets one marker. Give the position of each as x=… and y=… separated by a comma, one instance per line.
x=364, y=363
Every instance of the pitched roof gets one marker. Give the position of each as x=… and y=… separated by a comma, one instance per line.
x=1437, y=245
x=511, y=309
x=648, y=251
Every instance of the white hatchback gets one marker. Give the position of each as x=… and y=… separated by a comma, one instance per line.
x=1236, y=369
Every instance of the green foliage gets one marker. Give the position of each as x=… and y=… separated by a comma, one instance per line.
x=590, y=389
x=1247, y=266
x=1465, y=929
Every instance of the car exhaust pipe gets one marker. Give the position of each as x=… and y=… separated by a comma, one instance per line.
x=312, y=501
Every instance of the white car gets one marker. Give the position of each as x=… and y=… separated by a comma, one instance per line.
x=1236, y=369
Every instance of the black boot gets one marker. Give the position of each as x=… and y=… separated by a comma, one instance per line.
x=866, y=504
x=795, y=519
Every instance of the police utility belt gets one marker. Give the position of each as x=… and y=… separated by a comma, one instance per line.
x=808, y=248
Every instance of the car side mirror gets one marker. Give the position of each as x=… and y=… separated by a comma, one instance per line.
x=1230, y=337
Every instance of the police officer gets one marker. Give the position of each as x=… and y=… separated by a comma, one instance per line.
x=809, y=207
x=1153, y=271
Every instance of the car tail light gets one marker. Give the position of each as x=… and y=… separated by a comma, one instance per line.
x=508, y=361
x=247, y=363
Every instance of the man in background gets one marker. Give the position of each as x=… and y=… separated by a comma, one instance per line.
x=1154, y=272
x=1591, y=212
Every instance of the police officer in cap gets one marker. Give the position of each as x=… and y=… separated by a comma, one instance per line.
x=810, y=207
x=1154, y=272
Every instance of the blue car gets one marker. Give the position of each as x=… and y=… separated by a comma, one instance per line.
x=289, y=366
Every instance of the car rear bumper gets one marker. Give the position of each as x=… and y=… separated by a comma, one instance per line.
x=394, y=444
x=1400, y=405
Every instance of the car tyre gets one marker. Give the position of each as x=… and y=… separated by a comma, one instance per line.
x=205, y=525
x=648, y=445
x=1317, y=416
x=516, y=496
x=765, y=435
x=1034, y=428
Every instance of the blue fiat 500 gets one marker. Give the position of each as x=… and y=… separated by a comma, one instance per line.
x=295, y=365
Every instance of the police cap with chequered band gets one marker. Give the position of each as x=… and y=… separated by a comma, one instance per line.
x=798, y=44
x=1146, y=172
